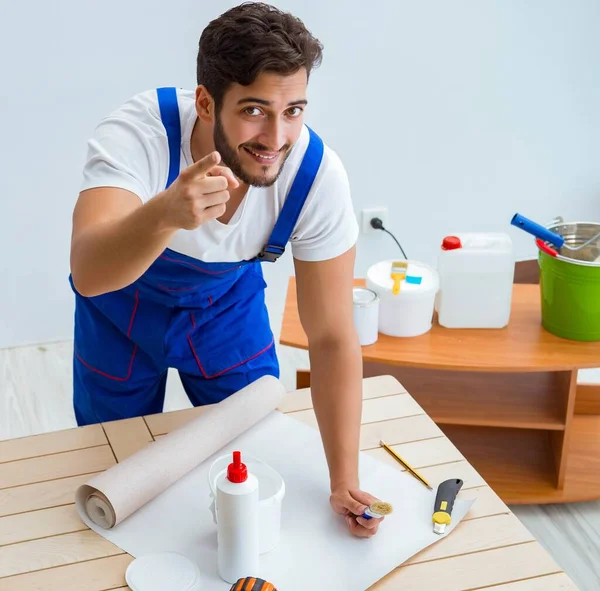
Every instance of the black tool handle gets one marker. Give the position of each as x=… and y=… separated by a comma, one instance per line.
x=446, y=493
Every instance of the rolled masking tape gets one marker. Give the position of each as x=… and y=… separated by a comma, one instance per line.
x=252, y=584
x=377, y=510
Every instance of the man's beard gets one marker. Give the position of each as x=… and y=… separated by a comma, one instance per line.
x=230, y=158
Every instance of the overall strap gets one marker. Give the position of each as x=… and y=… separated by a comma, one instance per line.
x=294, y=201
x=169, y=113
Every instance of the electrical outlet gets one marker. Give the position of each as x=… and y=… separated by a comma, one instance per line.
x=369, y=214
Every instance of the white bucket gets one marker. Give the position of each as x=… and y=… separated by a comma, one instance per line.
x=410, y=312
x=271, y=490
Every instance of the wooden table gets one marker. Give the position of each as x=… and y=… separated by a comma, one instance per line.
x=44, y=545
x=508, y=398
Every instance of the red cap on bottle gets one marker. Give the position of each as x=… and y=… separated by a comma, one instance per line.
x=236, y=471
x=451, y=242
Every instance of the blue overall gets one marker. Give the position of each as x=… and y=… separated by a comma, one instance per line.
x=207, y=320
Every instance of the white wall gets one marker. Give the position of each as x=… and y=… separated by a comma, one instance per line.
x=454, y=115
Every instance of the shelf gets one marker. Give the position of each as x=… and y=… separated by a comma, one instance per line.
x=522, y=401
x=518, y=464
x=524, y=345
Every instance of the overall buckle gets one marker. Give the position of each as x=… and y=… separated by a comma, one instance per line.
x=270, y=253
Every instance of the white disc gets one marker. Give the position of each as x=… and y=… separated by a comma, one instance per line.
x=163, y=570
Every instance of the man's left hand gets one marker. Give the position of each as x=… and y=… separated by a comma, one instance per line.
x=352, y=504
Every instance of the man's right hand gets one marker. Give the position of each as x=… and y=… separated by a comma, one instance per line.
x=199, y=193
x=116, y=238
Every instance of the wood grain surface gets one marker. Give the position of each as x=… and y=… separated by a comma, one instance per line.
x=45, y=546
x=524, y=345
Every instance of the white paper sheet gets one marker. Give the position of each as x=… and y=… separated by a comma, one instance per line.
x=316, y=550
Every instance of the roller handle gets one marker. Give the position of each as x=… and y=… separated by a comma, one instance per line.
x=536, y=230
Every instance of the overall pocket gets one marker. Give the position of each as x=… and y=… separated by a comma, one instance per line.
x=237, y=333
x=102, y=328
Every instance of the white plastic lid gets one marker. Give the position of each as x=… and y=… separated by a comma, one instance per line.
x=420, y=278
x=163, y=570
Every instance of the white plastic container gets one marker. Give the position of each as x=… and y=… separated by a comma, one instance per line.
x=410, y=312
x=237, y=522
x=476, y=280
x=271, y=492
x=366, y=315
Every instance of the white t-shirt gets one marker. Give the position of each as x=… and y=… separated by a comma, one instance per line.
x=129, y=150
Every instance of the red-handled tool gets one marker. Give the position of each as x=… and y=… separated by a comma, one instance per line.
x=547, y=249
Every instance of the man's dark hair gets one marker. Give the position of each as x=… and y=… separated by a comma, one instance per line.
x=250, y=39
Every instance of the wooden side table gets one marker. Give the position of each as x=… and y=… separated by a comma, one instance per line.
x=507, y=398
x=44, y=545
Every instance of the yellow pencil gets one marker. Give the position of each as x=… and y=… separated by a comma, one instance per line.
x=405, y=464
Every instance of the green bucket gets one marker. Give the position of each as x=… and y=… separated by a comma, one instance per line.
x=570, y=284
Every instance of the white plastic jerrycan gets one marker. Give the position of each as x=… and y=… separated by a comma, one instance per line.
x=476, y=272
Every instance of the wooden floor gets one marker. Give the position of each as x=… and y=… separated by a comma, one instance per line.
x=35, y=397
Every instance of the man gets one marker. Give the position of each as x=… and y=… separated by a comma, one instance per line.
x=184, y=195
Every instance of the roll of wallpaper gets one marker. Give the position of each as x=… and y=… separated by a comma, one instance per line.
x=112, y=496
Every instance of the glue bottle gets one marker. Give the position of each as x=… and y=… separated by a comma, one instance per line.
x=237, y=507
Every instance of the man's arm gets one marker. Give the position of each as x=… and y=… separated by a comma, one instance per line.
x=115, y=238
x=325, y=306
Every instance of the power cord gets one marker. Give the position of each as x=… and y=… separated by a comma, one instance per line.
x=378, y=225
